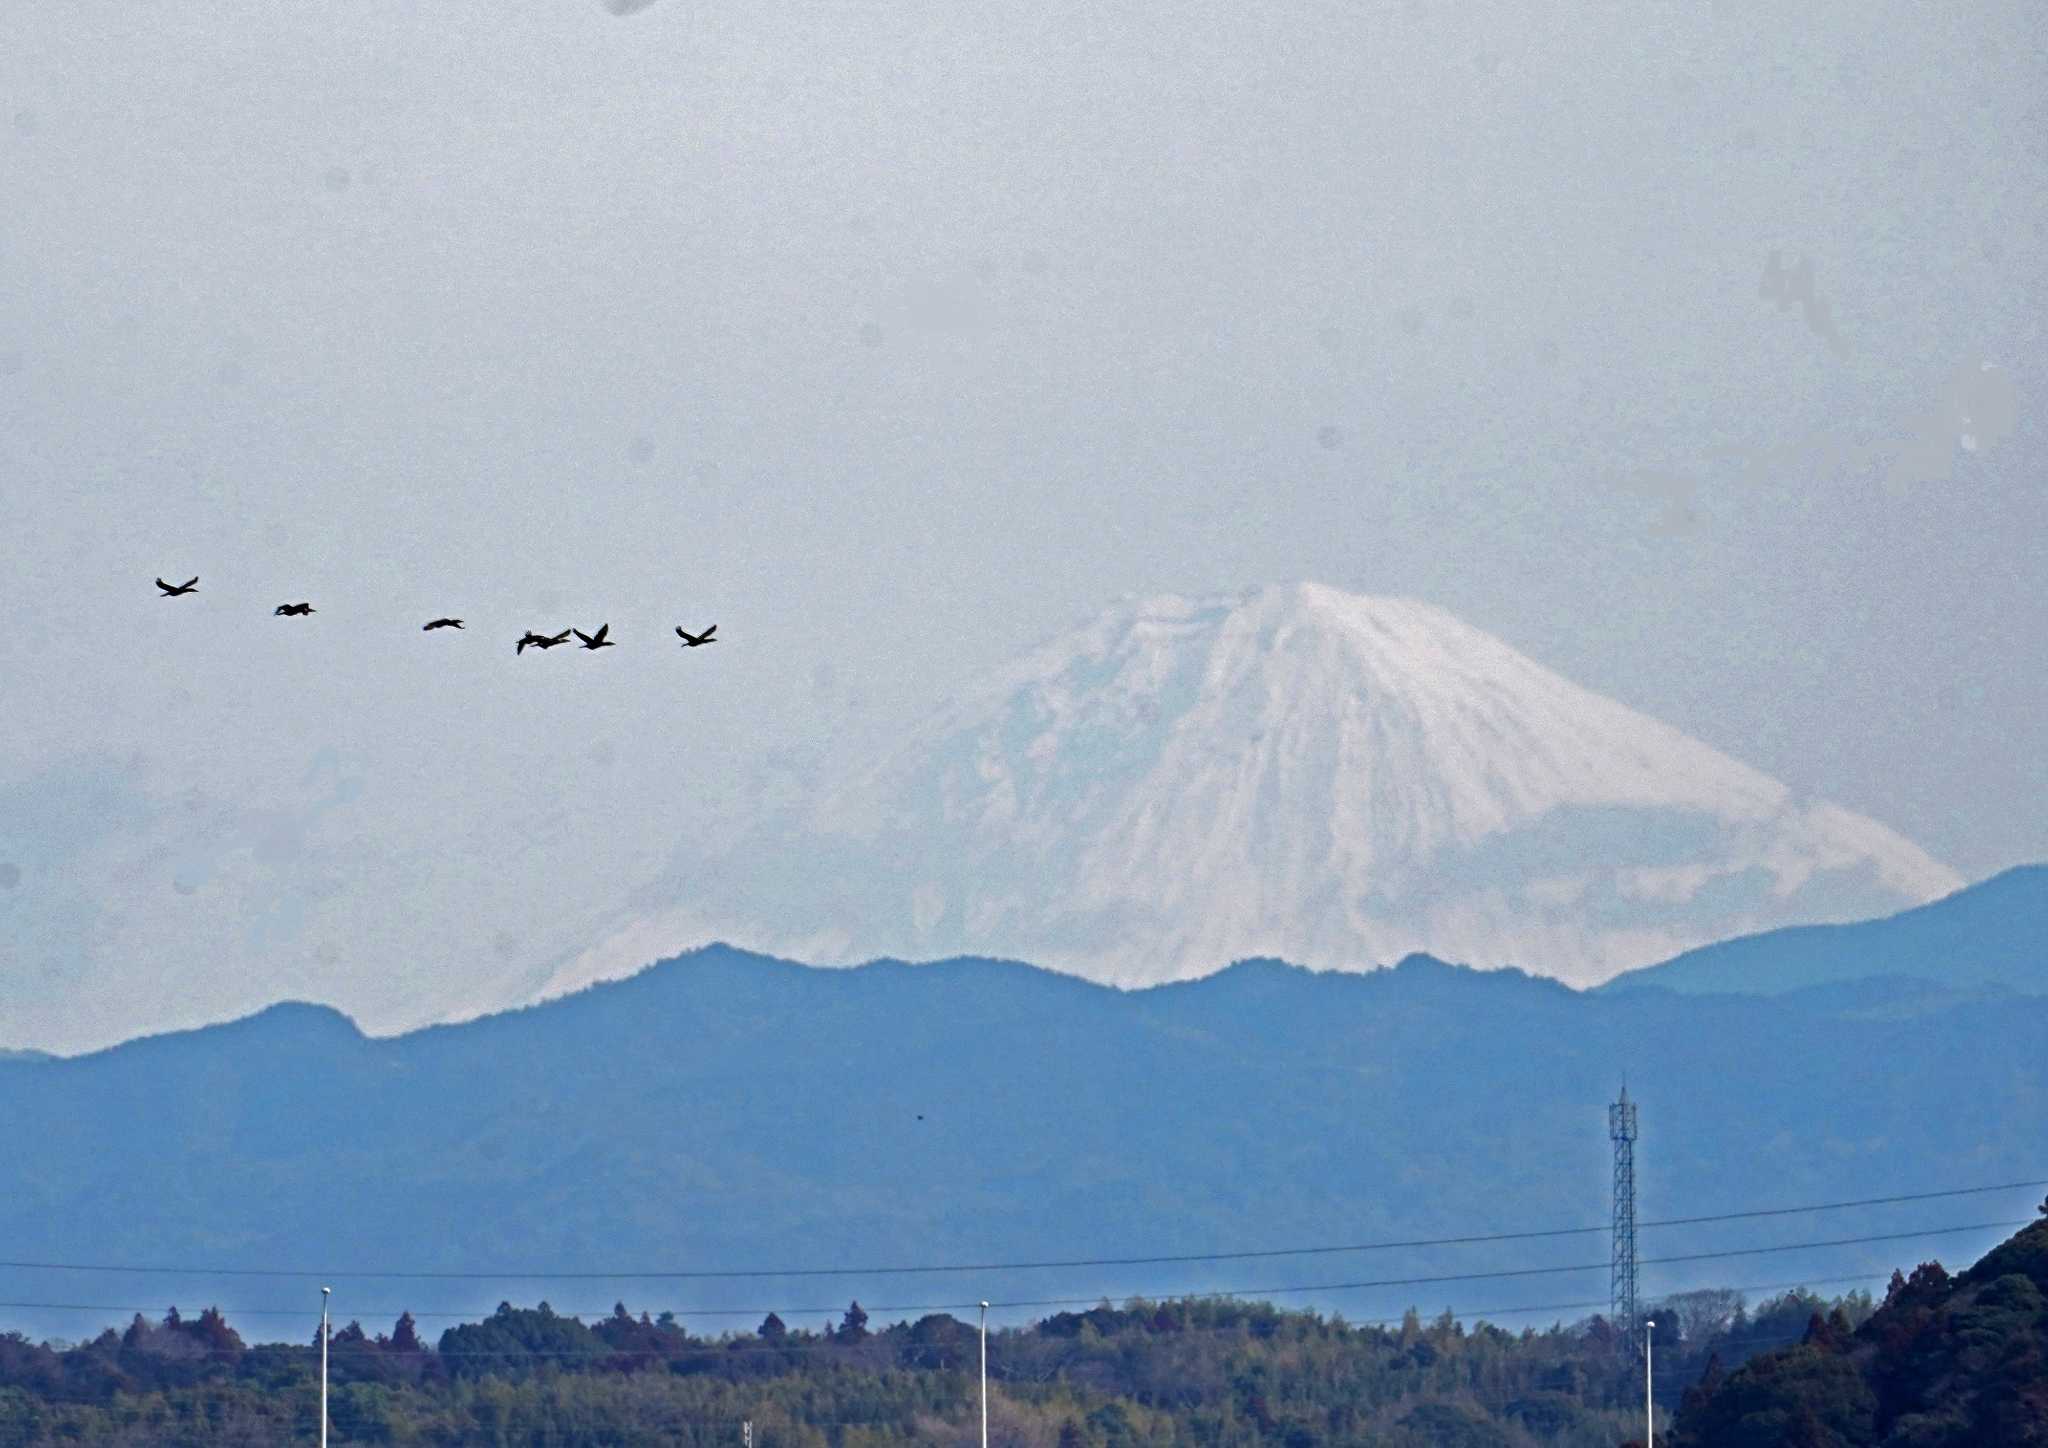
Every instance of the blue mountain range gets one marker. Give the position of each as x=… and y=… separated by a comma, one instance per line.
x=727, y=1113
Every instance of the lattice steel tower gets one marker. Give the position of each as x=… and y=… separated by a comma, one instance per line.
x=1621, y=1276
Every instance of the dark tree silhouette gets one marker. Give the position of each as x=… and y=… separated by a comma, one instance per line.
x=854, y=1326
x=405, y=1336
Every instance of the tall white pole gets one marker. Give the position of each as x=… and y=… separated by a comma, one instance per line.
x=984, y=1375
x=325, y=1292
x=1649, y=1408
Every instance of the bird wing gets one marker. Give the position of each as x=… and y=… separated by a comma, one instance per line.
x=709, y=631
x=602, y=630
x=587, y=640
x=168, y=589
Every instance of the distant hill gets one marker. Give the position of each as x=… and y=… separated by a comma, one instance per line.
x=1946, y=1362
x=1990, y=934
x=725, y=1110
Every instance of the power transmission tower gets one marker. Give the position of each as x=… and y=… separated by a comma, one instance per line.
x=1621, y=1275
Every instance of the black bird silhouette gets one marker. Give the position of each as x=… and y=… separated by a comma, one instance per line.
x=541, y=641
x=694, y=641
x=287, y=610
x=190, y=586
x=596, y=640
x=442, y=623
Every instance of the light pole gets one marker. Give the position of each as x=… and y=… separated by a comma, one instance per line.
x=325, y=1292
x=1649, y=1408
x=984, y=1375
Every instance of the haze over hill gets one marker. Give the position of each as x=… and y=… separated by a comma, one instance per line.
x=1295, y=771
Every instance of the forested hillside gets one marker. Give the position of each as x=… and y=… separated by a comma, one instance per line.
x=1946, y=1362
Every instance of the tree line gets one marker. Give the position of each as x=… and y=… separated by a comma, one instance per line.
x=1202, y=1371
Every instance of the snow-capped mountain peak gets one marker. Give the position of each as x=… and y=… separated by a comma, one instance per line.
x=1334, y=779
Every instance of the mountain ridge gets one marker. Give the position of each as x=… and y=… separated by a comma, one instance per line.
x=1897, y=972
x=1994, y=932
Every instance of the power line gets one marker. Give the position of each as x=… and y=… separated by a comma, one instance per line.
x=713, y=1274
x=1266, y=1292
x=1539, y=1271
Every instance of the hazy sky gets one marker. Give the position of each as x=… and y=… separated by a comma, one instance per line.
x=893, y=338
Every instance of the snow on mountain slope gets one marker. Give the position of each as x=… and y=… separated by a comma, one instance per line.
x=1332, y=779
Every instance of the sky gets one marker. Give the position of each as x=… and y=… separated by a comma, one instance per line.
x=895, y=339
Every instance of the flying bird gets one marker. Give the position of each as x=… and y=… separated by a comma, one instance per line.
x=190, y=586
x=539, y=641
x=694, y=641
x=288, y=610
x=596, y=640
x=442, y=623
